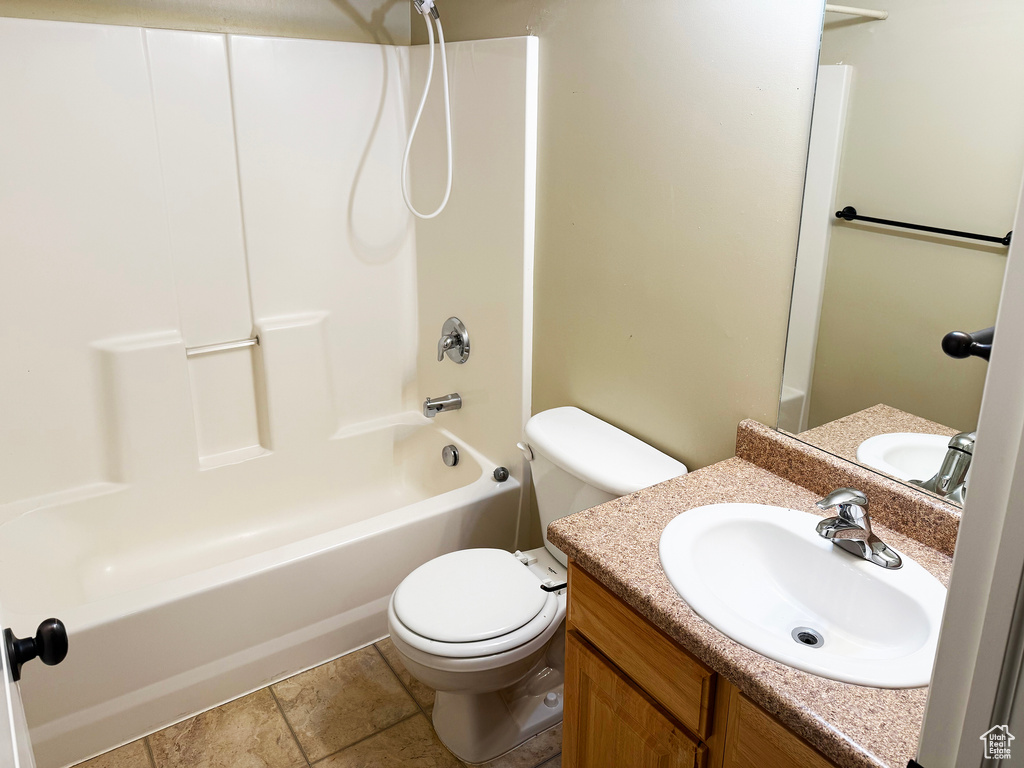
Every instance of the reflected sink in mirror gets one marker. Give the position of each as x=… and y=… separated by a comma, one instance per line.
x=904, y=455
x=764, y=577
x=917, y=444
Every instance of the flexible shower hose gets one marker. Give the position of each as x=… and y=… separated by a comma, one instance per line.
x=416, y=122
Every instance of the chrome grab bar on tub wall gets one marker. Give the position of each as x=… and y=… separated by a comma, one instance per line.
x=223, y=347
x=867, y=13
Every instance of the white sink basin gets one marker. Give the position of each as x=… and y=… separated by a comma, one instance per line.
x=765, y=578
x=904, y=455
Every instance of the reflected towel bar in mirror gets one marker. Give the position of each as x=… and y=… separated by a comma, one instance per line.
x=849, y=213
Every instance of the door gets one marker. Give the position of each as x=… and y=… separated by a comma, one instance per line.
x=977, y=668
x=15, y=746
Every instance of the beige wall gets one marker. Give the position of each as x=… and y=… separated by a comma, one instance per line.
x=360, y=21
x=672, y=142
x=935, y=135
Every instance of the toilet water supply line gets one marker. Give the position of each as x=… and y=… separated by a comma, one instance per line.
x=426, y=7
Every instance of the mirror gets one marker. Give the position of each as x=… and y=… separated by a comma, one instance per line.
x=918, y=118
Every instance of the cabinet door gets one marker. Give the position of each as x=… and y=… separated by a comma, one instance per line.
x=755, y=739
x=644, y=654
x=610, y=723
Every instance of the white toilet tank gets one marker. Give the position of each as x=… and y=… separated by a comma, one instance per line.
x=580, y=461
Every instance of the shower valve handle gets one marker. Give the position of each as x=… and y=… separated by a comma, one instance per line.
x=50, y=645
x=445, y=343
x=454, y=341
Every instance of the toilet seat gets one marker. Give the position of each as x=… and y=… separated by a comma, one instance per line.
x=471, y=603
x=468, y=595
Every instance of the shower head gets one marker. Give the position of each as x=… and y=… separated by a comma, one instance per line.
x=425, y=7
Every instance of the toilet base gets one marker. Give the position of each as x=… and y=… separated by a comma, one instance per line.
x=477, y=727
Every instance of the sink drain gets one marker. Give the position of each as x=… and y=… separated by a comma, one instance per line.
x=810, y=637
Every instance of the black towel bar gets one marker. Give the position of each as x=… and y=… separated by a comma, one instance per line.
x=849, y=213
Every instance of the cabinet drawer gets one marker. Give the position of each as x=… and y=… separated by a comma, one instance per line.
x=611, y=723
x=755, y=739
x=670, y=675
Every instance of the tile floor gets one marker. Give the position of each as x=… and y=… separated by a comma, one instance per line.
x=363, y=710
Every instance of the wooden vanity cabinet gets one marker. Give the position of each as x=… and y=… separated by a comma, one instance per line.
x=755, y=739
x=634, y=698
x=613, y=723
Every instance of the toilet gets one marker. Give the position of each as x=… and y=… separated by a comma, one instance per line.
x=485, y=628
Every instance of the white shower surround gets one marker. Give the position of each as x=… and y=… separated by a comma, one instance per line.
x=214, y=523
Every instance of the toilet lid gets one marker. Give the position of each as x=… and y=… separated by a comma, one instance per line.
x=468, y=596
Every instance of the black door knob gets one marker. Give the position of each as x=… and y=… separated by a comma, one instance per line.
x=50, y=645
x=962, y=345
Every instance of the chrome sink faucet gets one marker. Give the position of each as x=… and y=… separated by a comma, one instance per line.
x=851, y=530
x=950, y=482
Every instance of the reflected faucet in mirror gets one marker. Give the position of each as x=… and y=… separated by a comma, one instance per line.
x=950, y=482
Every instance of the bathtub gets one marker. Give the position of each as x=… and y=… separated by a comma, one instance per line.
x=177, y=601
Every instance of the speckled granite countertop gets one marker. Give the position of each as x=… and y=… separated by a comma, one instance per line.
x=617, y=543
